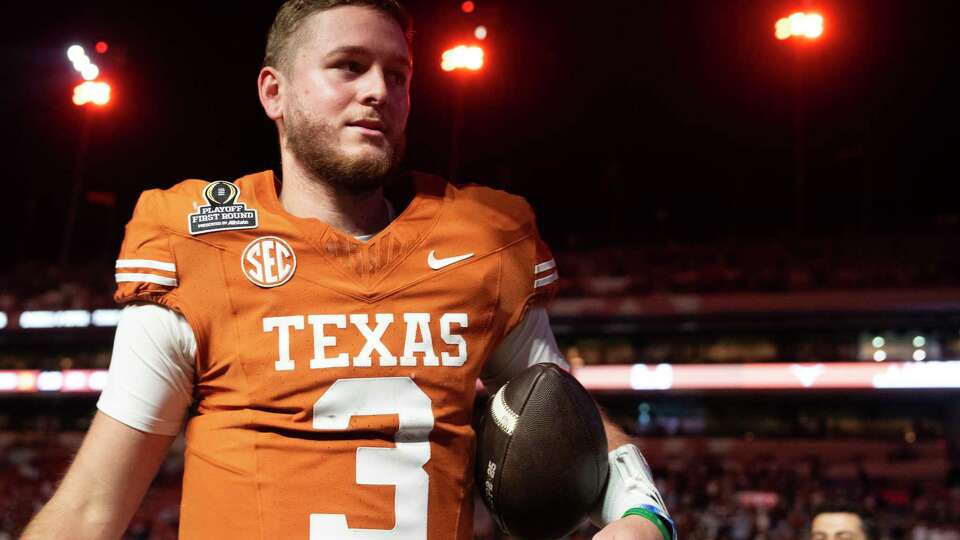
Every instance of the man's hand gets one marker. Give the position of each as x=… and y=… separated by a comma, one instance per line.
x=630, y=528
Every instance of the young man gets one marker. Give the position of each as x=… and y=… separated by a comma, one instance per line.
x=841, y=522
x=331, y=346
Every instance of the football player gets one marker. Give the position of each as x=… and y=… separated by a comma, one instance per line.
x=324, y=327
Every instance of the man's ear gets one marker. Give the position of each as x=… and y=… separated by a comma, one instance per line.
x=269, y=84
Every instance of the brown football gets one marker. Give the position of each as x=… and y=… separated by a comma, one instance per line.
x=541, y=454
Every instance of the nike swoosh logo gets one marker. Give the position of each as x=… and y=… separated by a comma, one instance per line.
x=434, y=263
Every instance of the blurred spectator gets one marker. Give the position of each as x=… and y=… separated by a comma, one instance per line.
x=842, y=522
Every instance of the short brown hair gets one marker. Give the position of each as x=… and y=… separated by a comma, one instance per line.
x=293, y=12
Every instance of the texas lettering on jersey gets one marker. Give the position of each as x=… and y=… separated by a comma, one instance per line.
x=417, y=344
x=335, y=378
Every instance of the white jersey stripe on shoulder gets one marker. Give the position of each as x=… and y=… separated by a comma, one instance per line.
x=546, y=280
x=146, y=263
x=544, y=266
x=149, y=278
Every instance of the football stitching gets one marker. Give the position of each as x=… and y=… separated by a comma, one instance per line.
x=506, y=450
x=503, y=416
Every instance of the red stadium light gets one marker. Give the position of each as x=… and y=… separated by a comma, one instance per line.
x=462, y=57
x=102, y=47
x=799, y=24
x=90, y=92
x=468, y=6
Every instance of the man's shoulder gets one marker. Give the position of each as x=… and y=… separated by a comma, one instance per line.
x=183, y=208
x=480, y=206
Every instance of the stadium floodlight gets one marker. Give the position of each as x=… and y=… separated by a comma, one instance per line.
x=799, y=24
x=462, y=57
x=79, y=59
x=81, y=62
x=95, y=92
x=75, y=52
x=90, y=72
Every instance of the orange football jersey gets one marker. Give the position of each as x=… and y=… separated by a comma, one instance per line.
x=335, y=378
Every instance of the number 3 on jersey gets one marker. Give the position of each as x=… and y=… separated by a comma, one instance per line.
x=401, y=466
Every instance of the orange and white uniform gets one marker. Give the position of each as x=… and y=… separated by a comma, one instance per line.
x=332, y=379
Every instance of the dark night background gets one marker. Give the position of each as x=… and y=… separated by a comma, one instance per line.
x=640, y=121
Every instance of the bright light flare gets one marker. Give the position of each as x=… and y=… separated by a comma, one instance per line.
x=462, y=57
x=468, y=6
x=75, y=52
x=102, y=47
x=799, y=24
x=96, y=93
x=80, y=61
x=89, y=72
x=480, y=32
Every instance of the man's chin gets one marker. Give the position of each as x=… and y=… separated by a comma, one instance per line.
x=368, y=150
x=357, y=172
x=370, y=159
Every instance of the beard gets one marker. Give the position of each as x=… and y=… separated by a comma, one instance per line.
x=314, y=145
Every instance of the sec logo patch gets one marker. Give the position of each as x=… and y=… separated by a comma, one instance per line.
x=268, y=262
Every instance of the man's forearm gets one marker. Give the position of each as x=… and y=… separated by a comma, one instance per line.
x=68, y=516
x=631, y=502
x=616, y=437
x=104, y=486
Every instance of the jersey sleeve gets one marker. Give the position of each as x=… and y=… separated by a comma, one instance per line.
x=146, y=270
x=150, y=381
x=530, y=277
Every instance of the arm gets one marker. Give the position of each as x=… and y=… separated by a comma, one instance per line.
x=104, y=485
x=615, y=436
x=148, y=391
x=631, y=527
x=531, y=342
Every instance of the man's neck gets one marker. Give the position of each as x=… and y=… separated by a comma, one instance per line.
x=307, y=197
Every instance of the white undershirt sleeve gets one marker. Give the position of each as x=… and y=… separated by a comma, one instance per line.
x=150, y=381
x=530, y=342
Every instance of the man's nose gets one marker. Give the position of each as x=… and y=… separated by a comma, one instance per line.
x=374, y=87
